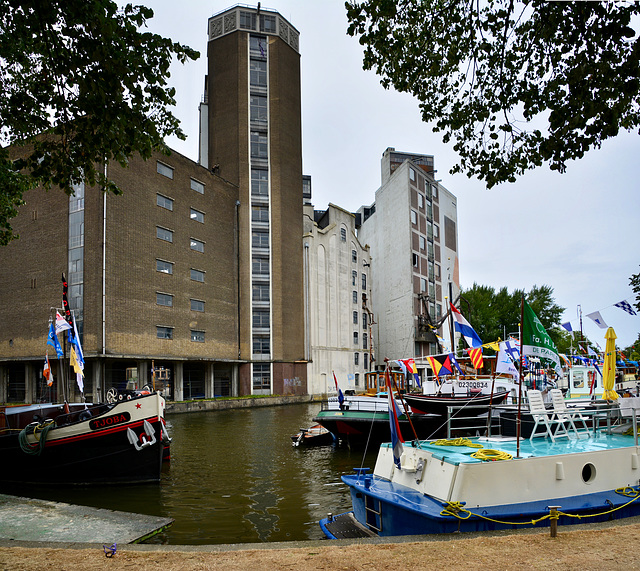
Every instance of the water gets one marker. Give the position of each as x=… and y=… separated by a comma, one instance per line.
x=235, y=478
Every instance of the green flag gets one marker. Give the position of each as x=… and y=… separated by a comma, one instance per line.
x=536, y=341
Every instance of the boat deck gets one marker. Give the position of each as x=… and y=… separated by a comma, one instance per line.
x=538, y=446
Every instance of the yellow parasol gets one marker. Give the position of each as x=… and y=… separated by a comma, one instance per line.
x=609, y=367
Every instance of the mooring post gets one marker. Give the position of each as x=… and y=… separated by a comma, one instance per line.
x=553, y=510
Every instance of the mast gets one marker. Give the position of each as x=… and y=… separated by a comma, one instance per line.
x=519, y=417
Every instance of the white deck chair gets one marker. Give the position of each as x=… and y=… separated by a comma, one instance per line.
x=544, y=417
x=568, y=414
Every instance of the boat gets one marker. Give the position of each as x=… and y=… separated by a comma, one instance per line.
x=79, y=443
x=474, y=404
x=316, y=435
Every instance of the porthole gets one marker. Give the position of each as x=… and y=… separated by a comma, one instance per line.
x=588, y=473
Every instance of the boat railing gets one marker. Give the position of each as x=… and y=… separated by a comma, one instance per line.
x=466, y=418
x=370, y=404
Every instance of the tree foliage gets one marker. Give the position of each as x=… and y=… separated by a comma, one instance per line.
x=80, y=84
x=515, y=84
x=496, y=314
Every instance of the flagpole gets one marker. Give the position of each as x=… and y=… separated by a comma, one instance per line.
x=519, y=418
x=404, y=405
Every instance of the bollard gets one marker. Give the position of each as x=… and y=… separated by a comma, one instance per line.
x=553, y=510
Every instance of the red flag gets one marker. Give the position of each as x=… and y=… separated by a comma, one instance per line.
x=476, y=357
x=46, y=371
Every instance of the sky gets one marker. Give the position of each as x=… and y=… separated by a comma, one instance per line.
x=577, y=232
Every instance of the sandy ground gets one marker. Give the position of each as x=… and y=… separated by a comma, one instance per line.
x=584, y=548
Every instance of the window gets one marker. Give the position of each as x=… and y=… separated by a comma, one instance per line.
x=261, y=344
x=364, y=320
x=355, y=337
x=259, y=182
x=260, y=239
x=197, y=336
x=366, y=362
x=258, y=108
x=357, y=375
x=260, y=266
x=197, y=215
x=416, y=260
x=354, y=256
x=164, y=332
x=164, y=267
x=436, y=231
x=258, y=46
x=268, y=24
x=414, y=217
x=364, y=341
x=356, y=359
x=261, y=377
x=197, y=305
x=197, y=275
x=260, y=318
x=420, y=201
x=343, y=234
x=434, y=190
x=354, y=277
x=364, y=281
x=260, y=292
x=355, y=317
x=355, y=297
x=164, y=170
x=412, y=174
x=423, y=284
x=258, y=72
x=197, y=186
x=164, y=234
x=247, y=20
x=164, y=299
x=259, y=145
x=164, y=202
x=423, y=243
x=197, y=245
x=260, y=214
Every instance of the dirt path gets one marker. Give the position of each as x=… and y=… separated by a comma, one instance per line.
x=602, y=549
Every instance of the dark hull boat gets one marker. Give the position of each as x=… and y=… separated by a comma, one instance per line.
x=118, y=443
x=316, y=435
x=474, y=405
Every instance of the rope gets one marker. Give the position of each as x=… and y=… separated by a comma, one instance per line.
x=488, y=454
x=457, y=510
x=456, y=442
x=40, y=432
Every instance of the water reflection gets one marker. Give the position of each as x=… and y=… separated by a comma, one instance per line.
x=235, y=478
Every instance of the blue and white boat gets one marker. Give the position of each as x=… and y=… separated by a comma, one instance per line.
x=496, y=483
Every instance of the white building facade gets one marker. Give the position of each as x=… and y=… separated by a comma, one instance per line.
x=337, y=293
x=411, y=231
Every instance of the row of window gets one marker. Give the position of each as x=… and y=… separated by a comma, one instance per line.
x=356, y=362
x=167, y=235
x=167, y=268
x=364, y=319
x=165, y=332
x=364, y=339
x=166, y=170
x=167, y=203
x=166, y=300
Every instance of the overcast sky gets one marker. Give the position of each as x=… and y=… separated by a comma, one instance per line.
x=577, y=232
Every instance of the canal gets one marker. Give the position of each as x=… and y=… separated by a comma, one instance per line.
x=235, y=477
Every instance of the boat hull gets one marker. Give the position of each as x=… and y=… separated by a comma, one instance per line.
x=474, y=405
x=124, y=444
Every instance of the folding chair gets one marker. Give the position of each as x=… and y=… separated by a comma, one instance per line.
x=541, y=417
x=568, y=414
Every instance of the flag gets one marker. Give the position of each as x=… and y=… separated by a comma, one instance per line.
x=494, y=345
x=46, y=371
x=53, y=341
x=77, y=368
x=597, y=318
x=442, y=342
x=476, y=357
x=340, y=395
x=65, y=302
x=504, y=361
x=625, y=306
x=396, y=435
x=74, y=340
x=462, y=326
x=622, y=356
x=443, y=364
x=536, y=341
x=61, y=323
x=512, y=347
x=567, y=326
x=410, y=365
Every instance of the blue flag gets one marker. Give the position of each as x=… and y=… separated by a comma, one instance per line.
x=396, y=435
x=53, y=341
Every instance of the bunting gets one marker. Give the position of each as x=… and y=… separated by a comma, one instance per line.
x=410, y=367
x=52, y=340
x=625, y=306
x=476, y=357
x=463, y=327
x=340, y=395
x=443, y=364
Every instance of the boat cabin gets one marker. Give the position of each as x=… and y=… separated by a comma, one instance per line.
x=375, y=382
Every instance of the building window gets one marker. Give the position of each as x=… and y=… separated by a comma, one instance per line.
x=197, y=186
x=260, y=266
x=164, y=234
x=197, y=245
x=416, y=260
x=436, y=231
x=423, y=243
x=267, y=24
x=364, y=341
x=197, y=336
x=247, y=20
x=164, y=332
x=197, y=275
x=260, y=214
x=434, y=190
x=423, y=284
x=364, y=320
x=357, y=375
x=354, y=277
x=364, y=281
x=355, y=317
x=260, y=318
x=258, y=46
x=412, y=174
x=197, y=215
x=343, y=234
x=259, y=182
x=414, y=217
x=258, y=72
x=354, y=256
x=420, y=201
x=260, y=239
x=197, y=305
x=164, y=170
x=355, y=297
x=366, y=361
x=355, y=337
x=164, y=267
x=259, y=145
x=356, y=359
x=261, y=377
x=258, y=108
x=164, y=202
x=164, y=299
x=261, y=345
x=260, y=292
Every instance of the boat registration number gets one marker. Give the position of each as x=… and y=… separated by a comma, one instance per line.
x=473, y=384
x=112, y=420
